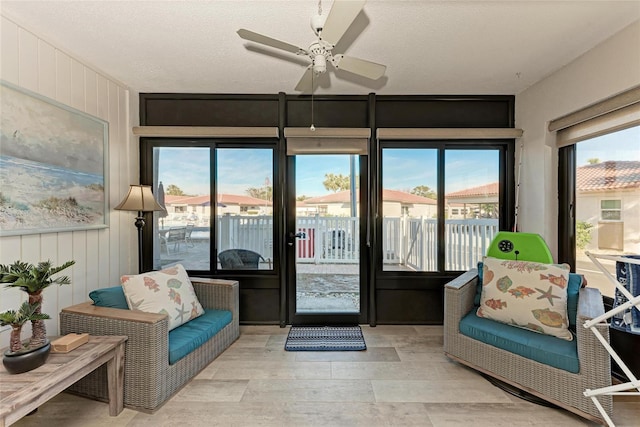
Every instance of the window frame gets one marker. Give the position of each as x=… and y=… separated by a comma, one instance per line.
x=506, y=193
x=147, y=145
x=611, y=210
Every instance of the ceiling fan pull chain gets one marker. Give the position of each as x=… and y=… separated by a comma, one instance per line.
x=312, y=128
x=319, y=7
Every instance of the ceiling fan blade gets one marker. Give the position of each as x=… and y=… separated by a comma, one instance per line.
x=259, y=38
x=342, y=14
x=304, y=85
x=368, y=69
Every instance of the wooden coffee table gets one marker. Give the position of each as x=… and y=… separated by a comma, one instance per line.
x=22, y=393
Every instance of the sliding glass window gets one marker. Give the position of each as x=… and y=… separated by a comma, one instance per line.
x=607, y=192
x=472, y=205
x=409, y=209
x=182, y=183
x=244, y=200
x=424, y=231
x=218, y=206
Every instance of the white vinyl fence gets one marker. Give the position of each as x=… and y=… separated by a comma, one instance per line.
x=411, y=242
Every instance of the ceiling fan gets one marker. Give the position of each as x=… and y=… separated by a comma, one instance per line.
x=329, y=30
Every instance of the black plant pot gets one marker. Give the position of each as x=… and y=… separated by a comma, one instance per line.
x=24, y=361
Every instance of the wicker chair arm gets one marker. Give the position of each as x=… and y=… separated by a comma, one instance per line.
x=590, y=351
x=217, y=294
x=148, y=332
x=590, y=305
x=460, y=292
x=458, y=301
x=88, y=309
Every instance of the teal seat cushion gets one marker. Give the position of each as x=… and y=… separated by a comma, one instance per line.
x=191, y=335
x=552, y=351
x=109, y=297
x=573, y=290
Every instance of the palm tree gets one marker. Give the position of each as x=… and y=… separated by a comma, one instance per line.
x=33, y=279
x=15, y=319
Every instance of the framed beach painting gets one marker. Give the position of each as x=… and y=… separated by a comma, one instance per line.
x=53, y=165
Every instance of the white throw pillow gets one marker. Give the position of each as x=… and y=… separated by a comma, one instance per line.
x=166, y=291
x=531, y=295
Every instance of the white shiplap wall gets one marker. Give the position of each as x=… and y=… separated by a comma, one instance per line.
x=101, y=256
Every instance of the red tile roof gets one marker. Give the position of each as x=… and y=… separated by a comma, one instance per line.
x=237, y=199
x=609, y=175
x=225, y=199
x=403, y=197
x=482, y=190
x=387, y=196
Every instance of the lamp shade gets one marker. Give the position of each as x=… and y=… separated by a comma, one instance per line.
x=140, y=199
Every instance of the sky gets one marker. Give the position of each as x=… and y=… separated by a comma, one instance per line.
x=621, y=145
x=239, y=169
x=37, y=129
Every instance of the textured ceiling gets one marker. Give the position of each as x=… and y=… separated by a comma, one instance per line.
x=429, y=47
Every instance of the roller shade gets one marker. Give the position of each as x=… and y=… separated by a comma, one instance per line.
x=616, y=113
x=327, y=141
x=448, y=133
x=611, y=122
x=206, y=131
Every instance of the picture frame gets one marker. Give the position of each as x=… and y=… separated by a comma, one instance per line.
x=53, y=165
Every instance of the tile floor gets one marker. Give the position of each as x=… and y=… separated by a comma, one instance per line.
x=402, y=379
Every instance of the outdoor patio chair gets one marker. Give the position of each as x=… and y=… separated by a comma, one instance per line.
x=187, y=235
x=240, y=259
x=174, y=238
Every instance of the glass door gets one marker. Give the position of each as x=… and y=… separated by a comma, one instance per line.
x=324, y=240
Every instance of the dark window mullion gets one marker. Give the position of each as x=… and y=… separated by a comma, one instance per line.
x=441, y=214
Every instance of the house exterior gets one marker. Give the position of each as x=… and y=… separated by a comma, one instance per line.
x=198, y=208
x=394, y=204
x=474, y=202
x=608, y=198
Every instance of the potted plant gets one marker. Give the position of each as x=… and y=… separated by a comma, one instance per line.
x=32, y=279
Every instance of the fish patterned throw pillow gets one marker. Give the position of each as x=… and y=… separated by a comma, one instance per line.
x=527, y=294
x=167, y=291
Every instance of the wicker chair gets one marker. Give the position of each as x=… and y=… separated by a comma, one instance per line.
x=149, y=380
x=562, y=388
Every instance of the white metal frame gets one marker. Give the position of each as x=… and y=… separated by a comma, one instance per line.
x=634, y=383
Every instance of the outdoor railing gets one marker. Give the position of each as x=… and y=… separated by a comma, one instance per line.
x=246, y=232
x=467, y=241
x=411, y=242
x=328, y=239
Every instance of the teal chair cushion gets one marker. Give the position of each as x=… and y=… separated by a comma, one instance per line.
x=476, y=299
x=191, y=335
x=552, y=351
x=112, y=297
x=573, y=291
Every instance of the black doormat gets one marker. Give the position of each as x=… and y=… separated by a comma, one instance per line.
x=325, y=338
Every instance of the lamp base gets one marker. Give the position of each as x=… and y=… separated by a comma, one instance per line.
x=140, y=224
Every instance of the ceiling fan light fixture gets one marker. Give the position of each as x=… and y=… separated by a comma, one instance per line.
x=319, y=64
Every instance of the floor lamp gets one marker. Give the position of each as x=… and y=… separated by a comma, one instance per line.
x=139, y=199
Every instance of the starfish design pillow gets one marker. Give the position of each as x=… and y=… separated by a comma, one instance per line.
x=527, y=294
x=167, y=291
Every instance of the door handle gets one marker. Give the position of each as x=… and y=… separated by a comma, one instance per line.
x=293, y=236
